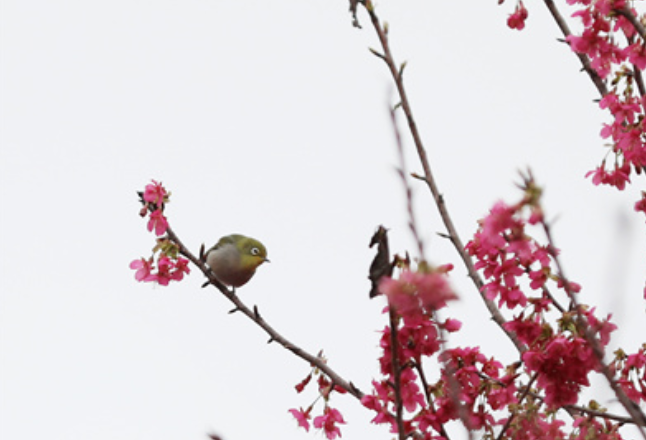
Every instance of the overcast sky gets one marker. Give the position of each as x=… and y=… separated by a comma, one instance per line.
x=268, y=119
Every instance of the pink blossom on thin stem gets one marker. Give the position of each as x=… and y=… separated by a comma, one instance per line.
x=158, y=222
x=640, y=205
x=328, y=422
x=416, y=292
x=517, y=19
x=143, y=269
x=302, y=417
x=170, y=266
x=155, y=194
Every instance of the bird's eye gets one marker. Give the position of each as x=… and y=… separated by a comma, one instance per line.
x=255, y=251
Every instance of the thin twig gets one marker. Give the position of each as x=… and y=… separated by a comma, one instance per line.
x=412, y=222
x=430, y=180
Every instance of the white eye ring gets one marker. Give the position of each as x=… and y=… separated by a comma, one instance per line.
x=255, y=251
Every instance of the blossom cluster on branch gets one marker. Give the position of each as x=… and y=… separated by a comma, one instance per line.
x=613, y=41
x=329, y=420
x=165, y=265
x=520, y=400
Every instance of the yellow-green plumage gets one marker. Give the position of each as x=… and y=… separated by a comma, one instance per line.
x=234, y=259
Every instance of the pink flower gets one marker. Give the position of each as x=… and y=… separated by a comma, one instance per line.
x=164, y=268
x=143, y=268
x=158, y=222
x=452, y=325
x=502, y=395
x=155, y=193
x=640, y=205
x=327, y=422
x=410, y=391
x=526, y=329
x=617, y=178
x=636, y=53
x=414, y=292
x=517, y=19
x=302, y=417
x=303, y=383
x=180, y=268
x=563, y=366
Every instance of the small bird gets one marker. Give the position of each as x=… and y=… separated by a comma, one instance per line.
x=235, y=258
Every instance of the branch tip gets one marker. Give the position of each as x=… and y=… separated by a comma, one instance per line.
x=376, y=53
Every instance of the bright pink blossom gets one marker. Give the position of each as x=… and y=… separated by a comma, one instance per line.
x=452, y=325
x=158, y=222
x=517, y=19
x=636, y=53
x=181, y=268
x=526, y=329
x=143, y=268
x=328, y=422
x=155, y=194
x=503, y=393
x=302, y=417
x=562, y=365
x=640, y=205
x=164, y=270
x=415, y=292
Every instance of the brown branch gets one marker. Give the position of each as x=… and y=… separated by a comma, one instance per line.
x=255, y=316
x=428, y=177
x=585, y=61
x=637, y=74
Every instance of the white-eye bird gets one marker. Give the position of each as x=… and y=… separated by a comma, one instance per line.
x=235, y=258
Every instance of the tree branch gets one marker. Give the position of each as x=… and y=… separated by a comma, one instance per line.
x=255, y=316
x=637, y=415
x=585, y=61
x=428, y=177
x=628, y=15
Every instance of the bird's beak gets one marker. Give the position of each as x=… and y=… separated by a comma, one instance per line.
x=266, y=260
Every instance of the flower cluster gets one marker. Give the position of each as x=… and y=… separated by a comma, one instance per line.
x=517, y=19
x=612, y=40
x=632, y=373
x=561, y=358
x=505, y=253
x=605, y=24
x=413, y=336
x=558, y=351
x=330, y=419
x=167, y=266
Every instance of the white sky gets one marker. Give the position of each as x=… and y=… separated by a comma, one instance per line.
x=269, y=119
